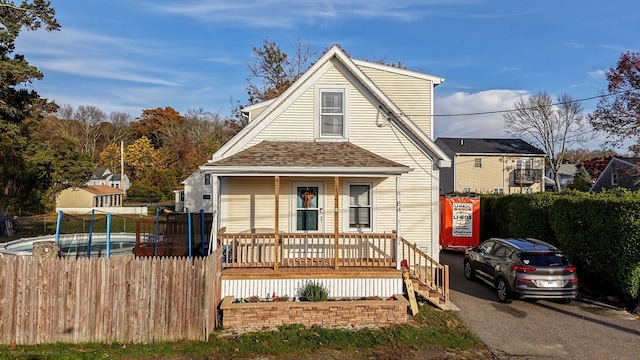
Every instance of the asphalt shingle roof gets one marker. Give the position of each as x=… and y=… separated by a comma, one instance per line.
x=306, y=154
x=490, y=146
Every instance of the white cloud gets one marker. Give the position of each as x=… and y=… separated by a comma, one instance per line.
x=598, y=74
x=474, y=114
x=292, y=13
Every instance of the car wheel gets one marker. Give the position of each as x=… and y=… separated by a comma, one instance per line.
x=502, y=288
x=468, y=270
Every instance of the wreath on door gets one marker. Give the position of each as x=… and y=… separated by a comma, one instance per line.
x=307, y=196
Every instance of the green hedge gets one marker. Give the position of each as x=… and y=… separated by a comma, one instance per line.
x=599, y=233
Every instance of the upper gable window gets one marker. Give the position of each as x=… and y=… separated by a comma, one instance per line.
x=331, y=105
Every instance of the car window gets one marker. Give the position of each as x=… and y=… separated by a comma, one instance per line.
x=543, y=259
x=486, y=247
x=499, y=251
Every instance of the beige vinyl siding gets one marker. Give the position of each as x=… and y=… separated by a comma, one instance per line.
x=412, y=95
x=256, y=112
x=367, y=129
x=496, y=172
x=75, y=197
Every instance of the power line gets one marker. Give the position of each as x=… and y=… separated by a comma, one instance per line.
x=512, y=110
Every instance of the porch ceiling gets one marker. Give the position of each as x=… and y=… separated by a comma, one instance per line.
x=306, y=157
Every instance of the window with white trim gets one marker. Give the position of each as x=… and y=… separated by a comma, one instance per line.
x=498, y=191
x=477, y=162
x=207, y=179
x=331, y=105
x=524, y=164
x=360, y=206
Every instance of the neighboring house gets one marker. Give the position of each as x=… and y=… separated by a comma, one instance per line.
x=620, y=172
x=91, y=196
x=339, y=171
x=566, y=173
x=196, y=193
x=498, y=166
x=102, y=176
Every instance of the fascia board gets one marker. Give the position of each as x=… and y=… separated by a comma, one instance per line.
x=435, y=79
x=308, y=171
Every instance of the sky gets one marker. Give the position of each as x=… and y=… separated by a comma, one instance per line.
x=131, y=55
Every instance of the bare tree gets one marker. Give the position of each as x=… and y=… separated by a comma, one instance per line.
x=89, y=117
x=553, y=127
x=275, y=70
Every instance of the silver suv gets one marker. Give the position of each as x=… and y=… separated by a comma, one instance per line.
x=522, y=268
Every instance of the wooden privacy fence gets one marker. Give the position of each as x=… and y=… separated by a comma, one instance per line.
x=121, y=299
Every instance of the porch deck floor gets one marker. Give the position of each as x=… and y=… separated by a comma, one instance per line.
x=321, y=272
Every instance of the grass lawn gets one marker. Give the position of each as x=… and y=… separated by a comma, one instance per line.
x=433, y=334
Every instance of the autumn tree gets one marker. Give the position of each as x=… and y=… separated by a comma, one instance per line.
x=618, y=111
x=140, y=157
x=152, y=121
x=552, y=127
x=23, y=176
x=110, y=157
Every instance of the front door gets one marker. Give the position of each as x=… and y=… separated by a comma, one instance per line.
x=308, y=213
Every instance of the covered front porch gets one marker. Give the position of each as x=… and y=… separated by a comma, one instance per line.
x=289, y=212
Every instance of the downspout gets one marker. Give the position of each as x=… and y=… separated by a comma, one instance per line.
x=276, y=222
x=336, y=226
x=398, y=224
x=435, y=213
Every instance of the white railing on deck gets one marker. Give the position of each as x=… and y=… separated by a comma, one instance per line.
x=307, y=250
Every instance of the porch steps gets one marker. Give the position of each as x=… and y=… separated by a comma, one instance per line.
x=432, y=296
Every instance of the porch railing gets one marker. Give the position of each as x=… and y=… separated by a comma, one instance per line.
x=307, y=250
x=427, y=270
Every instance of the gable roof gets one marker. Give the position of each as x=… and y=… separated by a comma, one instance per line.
x=397, y=117
x=490, y=146
x=299, y=157
x=100, y=173
x=629, y=179
x=102, y=190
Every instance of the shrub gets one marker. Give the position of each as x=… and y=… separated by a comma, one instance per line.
x=315, y=291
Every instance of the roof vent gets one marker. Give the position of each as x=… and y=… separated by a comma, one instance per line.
x=461, y=142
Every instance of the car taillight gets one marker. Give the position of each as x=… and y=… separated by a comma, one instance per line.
x=573, y=280
x=522, y=268
x=571, y=268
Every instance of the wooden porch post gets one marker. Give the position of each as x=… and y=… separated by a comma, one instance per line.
x=398, y=224
x=336, y=217
x=276, y=222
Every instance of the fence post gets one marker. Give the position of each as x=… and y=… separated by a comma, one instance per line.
x=58, y=223
x=189, y=237
x=90, y=232
x=108, y=235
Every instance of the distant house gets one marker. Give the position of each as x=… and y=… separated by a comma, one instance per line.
x=103, y=176
x=566, y=173
x=90, y=196
x=196, y=193
x=620, y=172
x=499, y=166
